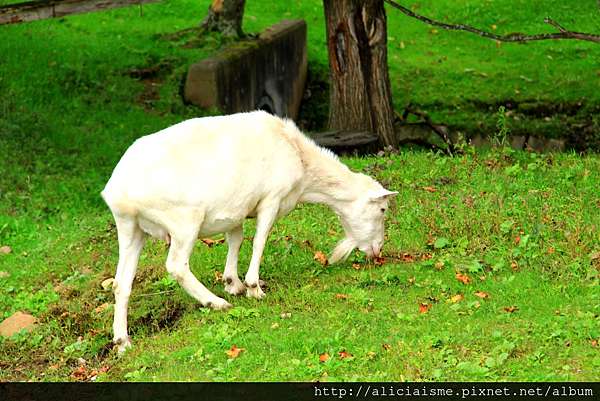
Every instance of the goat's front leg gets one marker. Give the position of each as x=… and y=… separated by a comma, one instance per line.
x=233, y=285
x=264, y=221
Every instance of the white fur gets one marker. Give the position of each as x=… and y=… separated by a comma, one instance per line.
x=207, y=175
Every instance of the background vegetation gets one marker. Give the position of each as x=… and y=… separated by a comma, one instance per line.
x=523, y=227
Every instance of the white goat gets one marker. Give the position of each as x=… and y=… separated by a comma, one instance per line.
x=207, y=175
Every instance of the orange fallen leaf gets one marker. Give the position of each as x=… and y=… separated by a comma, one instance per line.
x=517, y=239
x=378, y=260
x=356, y=266
x=324, y=357
x=101, y=308
x=594, y=343
x=510, y=309
x=407, y=258
x=514, y=265
x=430, y=189
x=234, y=351
x=426, y=256
x=424, y=308
x=344, y=355
x=80, y=373
x=463, y=278
x=321, y=258
x=482, y=294
x=210, y=242
x=457, y=298
x=341, y=296
x=551, y=250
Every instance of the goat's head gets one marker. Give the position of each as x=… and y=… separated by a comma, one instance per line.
x=363, y=221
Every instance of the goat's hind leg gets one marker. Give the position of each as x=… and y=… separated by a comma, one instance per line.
x=178, y=266
x=233, y=284
x=131, y=241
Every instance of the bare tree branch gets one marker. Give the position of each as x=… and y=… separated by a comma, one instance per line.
x=514, y=37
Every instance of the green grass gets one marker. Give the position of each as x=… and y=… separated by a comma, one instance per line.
x=69, y=107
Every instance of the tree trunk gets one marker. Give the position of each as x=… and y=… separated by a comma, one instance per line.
x=360, y=98
x=225, y=16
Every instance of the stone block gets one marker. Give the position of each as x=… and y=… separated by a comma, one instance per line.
x=267, y=73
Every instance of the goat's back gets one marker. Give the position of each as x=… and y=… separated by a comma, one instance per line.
x=209, y=161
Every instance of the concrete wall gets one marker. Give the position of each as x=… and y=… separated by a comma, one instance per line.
x=266, y=73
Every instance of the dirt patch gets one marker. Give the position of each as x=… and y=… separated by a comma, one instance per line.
x=152, y=77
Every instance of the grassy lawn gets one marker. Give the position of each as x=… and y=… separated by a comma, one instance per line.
x=524, y=228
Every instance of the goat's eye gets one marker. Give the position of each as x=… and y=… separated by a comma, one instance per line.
x=382, y=210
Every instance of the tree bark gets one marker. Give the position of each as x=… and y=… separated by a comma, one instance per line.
x=225, y=16
x=360, y=99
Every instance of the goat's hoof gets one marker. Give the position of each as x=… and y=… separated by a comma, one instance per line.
x=234, y=287
x=255, y=292
x=218, y=304
x=122, y=344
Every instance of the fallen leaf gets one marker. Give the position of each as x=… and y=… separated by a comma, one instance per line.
x=424, y=308
x=412, y=280
x=514, y=265
x=80, y=373
x=285, y=315
x=4, y=274
x=211, y=242
x=463, y=278
x=344, y=355
x=426, y=256
x=274, y=326
x=234, y=352
x=517, y=239
x=439, y=264
x=482, y=295
x=430, y=189
x=510, y=309
x=321, y=258
x=407, y=258
x=331, y=232
x=378, y=260
x=457, y=298
x=386, y=347
x=551, y=250
x=107, y=284
x=356, y=266
x=324, y=357
x=371, y=355
x=218, y=276
x=594, y=343
x=341, y=296
x=5, y=250
x=102, y=307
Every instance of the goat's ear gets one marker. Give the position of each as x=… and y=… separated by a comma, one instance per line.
x=382, y=194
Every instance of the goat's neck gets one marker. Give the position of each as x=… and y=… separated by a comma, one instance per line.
x=329, y=182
